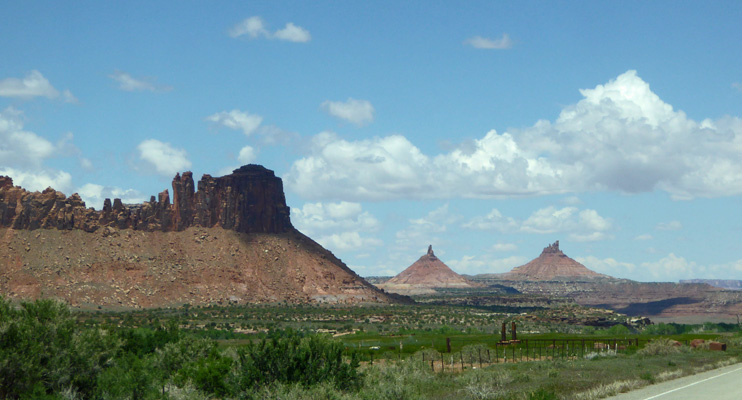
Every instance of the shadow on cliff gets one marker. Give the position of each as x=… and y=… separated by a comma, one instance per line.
x=651, y=307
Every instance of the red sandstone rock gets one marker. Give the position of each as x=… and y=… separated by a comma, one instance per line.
x=230, y=241
x=249, y=200
x=552, y=264
x=426, y=273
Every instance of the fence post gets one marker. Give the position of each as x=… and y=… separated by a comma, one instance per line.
x=582, y=351
x=553, y=349
x=448, y=344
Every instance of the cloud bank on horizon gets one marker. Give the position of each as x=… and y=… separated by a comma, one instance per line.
x=391, y=140
x=620, y=137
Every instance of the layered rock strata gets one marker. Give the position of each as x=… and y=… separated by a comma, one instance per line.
x=250, y=200
x=424, y=275
x=224, y=240
x=552, y=264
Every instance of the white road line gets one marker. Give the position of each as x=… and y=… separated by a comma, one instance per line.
x=694, y=383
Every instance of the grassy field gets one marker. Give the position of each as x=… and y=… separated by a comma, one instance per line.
x=600, y=375
x=393, y=352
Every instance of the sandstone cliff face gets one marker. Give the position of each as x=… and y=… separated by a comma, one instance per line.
x=226, y=239
x=249, y=200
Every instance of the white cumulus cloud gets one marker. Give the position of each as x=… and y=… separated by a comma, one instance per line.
x=672, y=268
x=348, y=241
x=163, y=157
x=34, y=84
x=21, y=148
x=23, y=155
x=430, y=229
x=237, y=120
x=480, y=42
x=493, y=221
x=293, y=33
x=620, y=137
x=331, y=217
x=128, y=83
x=342, y=226
x=39, y=179
x=254, y=27
x=359, y=112
x=93, y=195
x=504, y=247
x=669, y=226
x=247, y=155
x=581, y=225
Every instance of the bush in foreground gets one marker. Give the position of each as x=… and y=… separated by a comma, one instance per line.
x=305, y=361
x=660, y=347
x=44, y=351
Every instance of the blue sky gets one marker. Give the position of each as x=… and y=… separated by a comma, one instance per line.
x=487, y=129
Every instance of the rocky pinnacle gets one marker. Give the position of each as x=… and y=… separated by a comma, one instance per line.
x=249, y=200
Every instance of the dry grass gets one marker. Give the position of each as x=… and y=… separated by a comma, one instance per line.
x=610, y=389
x=660, y=347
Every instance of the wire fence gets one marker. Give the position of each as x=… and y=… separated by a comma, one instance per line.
x=480, y=356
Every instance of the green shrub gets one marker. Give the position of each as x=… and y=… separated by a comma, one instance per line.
x=131, y=377
x=542, y=394
x=647, y=377
x=210, y=374
x=174, y=357
x=43, y=350
x=306, y=361
x=662, y=329
x=615, y=331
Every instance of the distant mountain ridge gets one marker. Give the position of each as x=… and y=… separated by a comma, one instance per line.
x=729, y=284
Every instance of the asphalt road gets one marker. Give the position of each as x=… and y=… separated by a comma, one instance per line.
x=719, y=384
